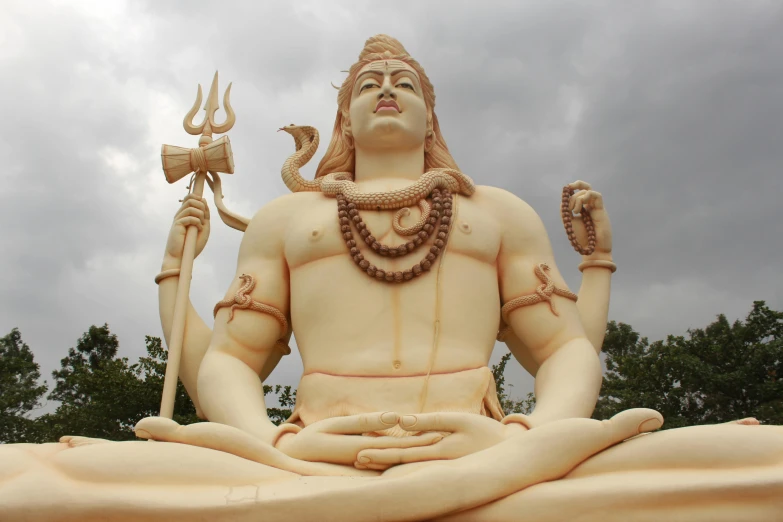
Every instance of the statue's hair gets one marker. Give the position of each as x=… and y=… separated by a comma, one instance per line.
x=339, y=155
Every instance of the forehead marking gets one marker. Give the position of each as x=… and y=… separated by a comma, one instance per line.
x=387, y=64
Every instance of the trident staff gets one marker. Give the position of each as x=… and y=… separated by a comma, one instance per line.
x=210, y=157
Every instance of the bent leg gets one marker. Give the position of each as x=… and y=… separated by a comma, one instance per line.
x=716, y=473
x=722, y=446
x=55, y=481
x=752, y=495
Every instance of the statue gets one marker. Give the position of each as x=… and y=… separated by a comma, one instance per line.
x=397, y=274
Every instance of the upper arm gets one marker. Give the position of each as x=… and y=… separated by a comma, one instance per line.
x=251, y=336
x=524, y=246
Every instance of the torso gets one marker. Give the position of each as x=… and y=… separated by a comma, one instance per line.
x=350, y=327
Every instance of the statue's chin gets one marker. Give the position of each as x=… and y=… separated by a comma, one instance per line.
x=389, y=134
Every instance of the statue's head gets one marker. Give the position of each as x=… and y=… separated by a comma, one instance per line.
x=384, y=76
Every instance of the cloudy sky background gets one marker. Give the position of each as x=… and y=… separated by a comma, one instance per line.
x=673, y=110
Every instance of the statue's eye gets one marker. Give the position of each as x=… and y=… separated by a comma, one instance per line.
x=368, y=86
x=406, y=85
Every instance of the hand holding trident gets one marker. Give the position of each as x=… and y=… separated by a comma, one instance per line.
x=210, y=157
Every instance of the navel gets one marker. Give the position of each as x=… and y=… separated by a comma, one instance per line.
x=464, y=227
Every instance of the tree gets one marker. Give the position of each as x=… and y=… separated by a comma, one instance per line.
x=717, y=374
x=20, y=392
x=508, y=404
x=286, y=399
x=103, y=396
x=100, y=394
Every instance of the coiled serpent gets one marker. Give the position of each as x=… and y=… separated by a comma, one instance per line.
x=307, y=140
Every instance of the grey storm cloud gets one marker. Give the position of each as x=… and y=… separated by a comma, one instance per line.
x=673, y=110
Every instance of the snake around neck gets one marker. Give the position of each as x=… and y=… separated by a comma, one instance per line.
x=440, y=184
x=307, y=140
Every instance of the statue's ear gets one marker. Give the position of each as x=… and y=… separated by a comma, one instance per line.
x=345, y=125
x=345, y=122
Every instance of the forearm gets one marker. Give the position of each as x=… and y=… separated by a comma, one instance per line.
x=231, y=393
x=567, y=383
x=197, y=334
x=196, y=328
x=593, y=303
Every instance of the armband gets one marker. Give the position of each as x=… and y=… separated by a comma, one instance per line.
x=542, y=294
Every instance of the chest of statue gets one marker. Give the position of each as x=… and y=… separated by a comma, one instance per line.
x=315, y=233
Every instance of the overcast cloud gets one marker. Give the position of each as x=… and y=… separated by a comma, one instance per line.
x=673, y=110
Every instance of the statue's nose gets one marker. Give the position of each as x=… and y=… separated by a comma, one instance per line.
x=386, y=91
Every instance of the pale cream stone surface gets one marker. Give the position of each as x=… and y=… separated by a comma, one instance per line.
x=405, y=365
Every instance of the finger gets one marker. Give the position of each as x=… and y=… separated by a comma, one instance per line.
x=573, y=199
x=351, y=445
x=425, y=439
x=578, y=204
x=192, y=211
x=395, y=456
x=596, y=199
x=441, y=421
x=374, y=467
x=190, y=220
x=358, y=424
x=579, y=185
x=195, y=202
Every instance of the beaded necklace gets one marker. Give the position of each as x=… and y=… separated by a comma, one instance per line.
x=438, y=223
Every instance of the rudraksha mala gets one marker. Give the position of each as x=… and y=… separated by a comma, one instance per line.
x=586, y=219
x=439, y=224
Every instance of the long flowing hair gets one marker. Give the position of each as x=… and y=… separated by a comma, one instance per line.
x=339, y=155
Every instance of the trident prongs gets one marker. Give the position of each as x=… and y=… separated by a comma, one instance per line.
x=208, y=125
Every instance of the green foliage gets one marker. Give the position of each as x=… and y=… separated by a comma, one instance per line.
x=508, y=404
x=103, y=396
x=286, y=397
x=20, y=392
x=717, y=374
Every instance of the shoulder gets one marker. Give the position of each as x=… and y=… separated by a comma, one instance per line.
x=510, y=210
x=268, y=226
x=283, y=207
x=521, y=226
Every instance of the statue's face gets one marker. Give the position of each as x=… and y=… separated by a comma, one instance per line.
x=387, y=107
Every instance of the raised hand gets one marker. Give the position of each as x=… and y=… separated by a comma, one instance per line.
x=466, y=433
x=194, y=211
x=589, y=199
x=338, y=440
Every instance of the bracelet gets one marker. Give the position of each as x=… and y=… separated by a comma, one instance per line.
x=599, y=263
x=165, y=274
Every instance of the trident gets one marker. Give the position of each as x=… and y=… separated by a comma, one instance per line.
x=205, y=161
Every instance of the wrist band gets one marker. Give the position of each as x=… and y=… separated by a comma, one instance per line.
x=165, y=274
x=599, y=263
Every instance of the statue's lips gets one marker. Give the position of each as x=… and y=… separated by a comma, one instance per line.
x=387, y=105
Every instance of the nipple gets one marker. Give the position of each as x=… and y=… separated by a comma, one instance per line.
x=464, y=227
x=316, y=234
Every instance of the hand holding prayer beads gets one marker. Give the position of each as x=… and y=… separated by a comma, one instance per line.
x=592, y=225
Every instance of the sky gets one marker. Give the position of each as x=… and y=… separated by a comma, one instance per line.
x=673, y=110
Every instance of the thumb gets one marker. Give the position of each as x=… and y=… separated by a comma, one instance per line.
x=630, y=423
